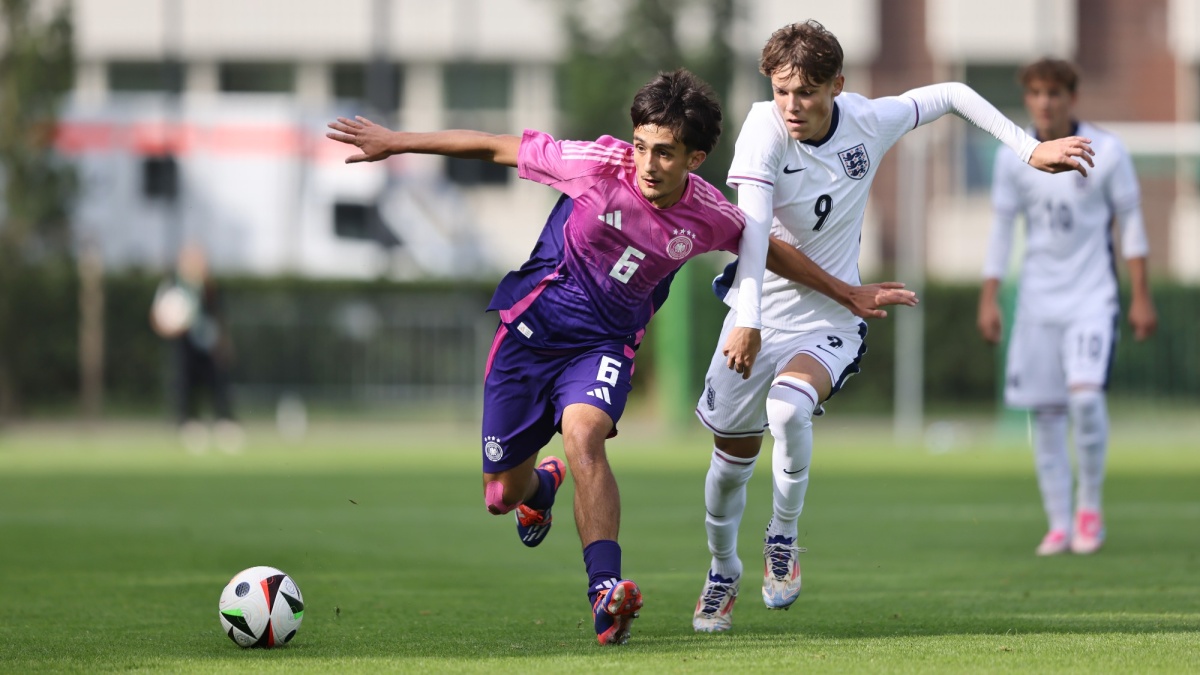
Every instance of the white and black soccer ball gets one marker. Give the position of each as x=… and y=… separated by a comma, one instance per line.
x=174, y=311
x=261, y=607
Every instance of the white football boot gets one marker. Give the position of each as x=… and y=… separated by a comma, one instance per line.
x=781, y=572
x=1089, y=532
x=714, y=611
x=1054, y=543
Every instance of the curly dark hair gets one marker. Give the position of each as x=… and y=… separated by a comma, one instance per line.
x=683, y=103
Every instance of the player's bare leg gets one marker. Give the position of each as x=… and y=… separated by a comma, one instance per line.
x=615, y=601
x=597, y=500
x=530, y=491
x=795, y=394
x=503, y=491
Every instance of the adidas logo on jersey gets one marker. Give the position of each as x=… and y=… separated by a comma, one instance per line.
x=601, y=393
x=613, y=219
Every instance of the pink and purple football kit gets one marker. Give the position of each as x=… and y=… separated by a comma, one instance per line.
x=573, y=315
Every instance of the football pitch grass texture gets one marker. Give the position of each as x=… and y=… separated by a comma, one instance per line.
x=115, y=545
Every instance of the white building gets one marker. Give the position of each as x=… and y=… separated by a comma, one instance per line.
x=259, y=183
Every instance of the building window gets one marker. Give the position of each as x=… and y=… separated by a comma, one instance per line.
x=478, y=86
x=478, y=96
x=998, y=84
x=257, y=77
x=142, y=76
x=354, y=82
x=364, y=222
x=160, y=178
x=476, y=172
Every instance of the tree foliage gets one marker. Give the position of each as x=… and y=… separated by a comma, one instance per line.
x=604, y=69
x=37, y=62
x=36, y=70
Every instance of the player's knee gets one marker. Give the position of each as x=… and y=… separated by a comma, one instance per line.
x=1089, y=414
x=584, y=446
x=790, y=405
x=746, y=447
x=1046, y=415
x=494, y=498
x=730, y=472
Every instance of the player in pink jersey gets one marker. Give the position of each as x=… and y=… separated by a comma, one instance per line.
x=573, y=315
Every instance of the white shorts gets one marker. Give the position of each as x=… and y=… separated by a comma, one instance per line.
x=735, y=408
x=1046, y=359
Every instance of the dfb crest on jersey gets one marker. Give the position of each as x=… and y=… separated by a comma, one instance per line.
x=855, y=161
x=492, y=448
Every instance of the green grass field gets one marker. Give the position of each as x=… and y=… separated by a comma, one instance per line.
x=114, y=546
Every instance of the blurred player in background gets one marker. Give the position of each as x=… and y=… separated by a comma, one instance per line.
x=1065, y=328
x=187, y=311
x=572, y=317
x=805, y=162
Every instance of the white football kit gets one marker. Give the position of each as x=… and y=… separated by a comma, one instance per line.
x=1066, y=320
x=815, y=195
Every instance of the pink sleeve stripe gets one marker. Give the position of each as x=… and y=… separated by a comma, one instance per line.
x=501, y=333
x=601, y=159
x=725, y=208
x=734, y=179
x=597, y=153
x=590, y=146
x=508, y=315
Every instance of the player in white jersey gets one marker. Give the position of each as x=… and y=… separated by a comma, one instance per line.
x=1065, y=327
x=804, y=162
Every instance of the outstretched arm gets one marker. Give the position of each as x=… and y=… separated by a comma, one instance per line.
x=864, y=301
x=1062, y=154
x=377, y=142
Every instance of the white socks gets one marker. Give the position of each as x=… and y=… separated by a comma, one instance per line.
x=790, y=405
x=1053, y=465
x=724, y=501
x=1089, y=420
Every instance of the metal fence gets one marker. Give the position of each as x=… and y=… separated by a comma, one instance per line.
x=359, y=348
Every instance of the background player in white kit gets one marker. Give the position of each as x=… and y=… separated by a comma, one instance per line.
x=1065, y=327
x=805, y=163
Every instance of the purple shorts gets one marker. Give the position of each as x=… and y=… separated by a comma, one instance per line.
x=525, y=391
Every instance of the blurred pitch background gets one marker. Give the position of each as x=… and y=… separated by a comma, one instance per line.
x=356, y=293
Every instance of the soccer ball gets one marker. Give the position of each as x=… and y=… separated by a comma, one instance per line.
x=261, y=607
x=174, y=311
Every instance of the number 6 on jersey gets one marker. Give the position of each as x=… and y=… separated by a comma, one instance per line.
x=610, y=370
x=625, y=267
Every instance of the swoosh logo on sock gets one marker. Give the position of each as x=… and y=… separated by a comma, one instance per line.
x=796, y=471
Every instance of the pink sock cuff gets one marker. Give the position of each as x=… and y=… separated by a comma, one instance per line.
x=493, y=497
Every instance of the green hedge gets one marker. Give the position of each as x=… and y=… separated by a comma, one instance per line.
x=39, y=339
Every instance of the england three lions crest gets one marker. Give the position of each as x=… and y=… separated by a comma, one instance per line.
x=855, y=161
